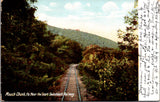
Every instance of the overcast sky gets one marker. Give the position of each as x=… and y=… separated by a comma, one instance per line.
x=101, y=17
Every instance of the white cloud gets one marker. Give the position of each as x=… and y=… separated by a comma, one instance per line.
x=127, y=6
x=88, y=13
x=45, y=8
x=109, y=7
x=116, y=14
x=73, y=6
x=72, y=17
x=111, y=10
x=53, y=4
x=42, y=16
x=68, y=6
x=88, y=4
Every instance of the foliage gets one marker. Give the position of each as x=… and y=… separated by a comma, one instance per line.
x=84, y=38
x=109, y=74
x=114, y=73
x=130, y=36
x=67, y=49
x=32, y=57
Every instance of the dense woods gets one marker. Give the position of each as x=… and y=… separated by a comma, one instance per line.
x=84, y=38
x=112, y=74
x=33, y=58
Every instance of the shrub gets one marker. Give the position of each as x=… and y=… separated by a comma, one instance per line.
x=116, y=77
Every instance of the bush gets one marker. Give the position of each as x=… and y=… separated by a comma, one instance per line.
x=116, y=78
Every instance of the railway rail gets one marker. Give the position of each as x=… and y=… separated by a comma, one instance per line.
x=68, y=81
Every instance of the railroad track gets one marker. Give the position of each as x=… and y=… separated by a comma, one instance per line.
x=72, y=83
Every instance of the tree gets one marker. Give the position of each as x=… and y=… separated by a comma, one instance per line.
x=135, y=3
x=28, y=63
x=17, y=17
x=130, y=36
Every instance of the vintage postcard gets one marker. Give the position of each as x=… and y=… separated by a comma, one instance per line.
x=80, y=50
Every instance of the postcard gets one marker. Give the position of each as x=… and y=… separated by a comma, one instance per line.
x=80, y=50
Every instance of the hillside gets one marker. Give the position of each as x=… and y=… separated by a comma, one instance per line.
x=83, y=38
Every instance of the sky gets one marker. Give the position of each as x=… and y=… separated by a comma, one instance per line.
x=100, y=17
